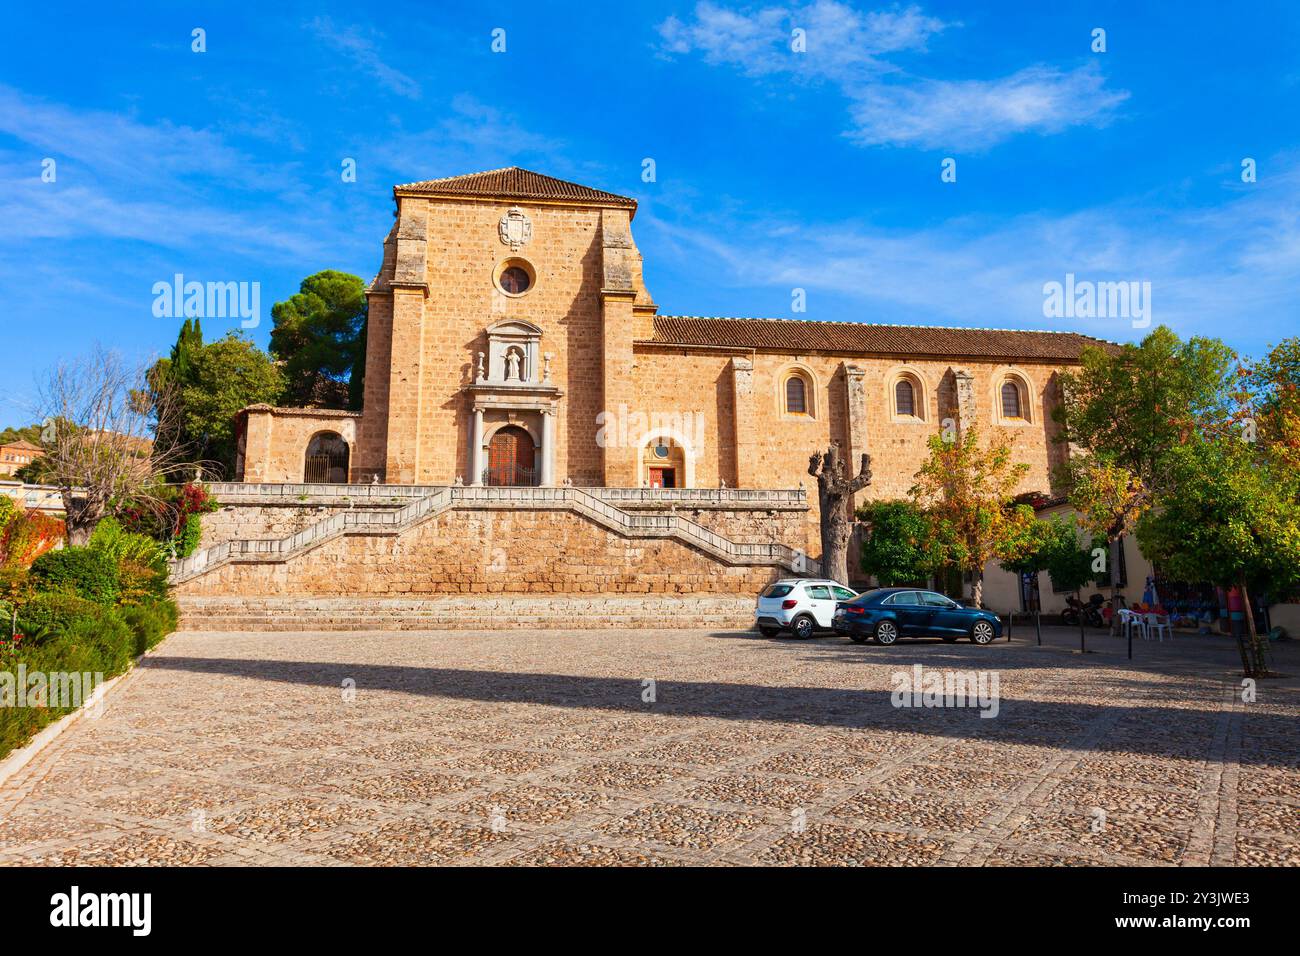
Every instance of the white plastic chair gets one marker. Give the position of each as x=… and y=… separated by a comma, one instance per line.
x=1129, y=620
x=1159, y=625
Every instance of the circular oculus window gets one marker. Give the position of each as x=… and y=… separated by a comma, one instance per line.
x=514, y=277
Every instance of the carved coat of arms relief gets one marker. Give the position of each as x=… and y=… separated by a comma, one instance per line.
x=515, y=229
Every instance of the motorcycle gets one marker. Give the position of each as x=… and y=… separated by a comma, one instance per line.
x=1073, y=608
x=1092, y=612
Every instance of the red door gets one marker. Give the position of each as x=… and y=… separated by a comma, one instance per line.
x=510, y=458
x=663, y=478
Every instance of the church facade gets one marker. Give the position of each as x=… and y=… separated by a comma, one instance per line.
x=512, y=340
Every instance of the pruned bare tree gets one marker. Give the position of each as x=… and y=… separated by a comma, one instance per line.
x=99, y=421
x=834, y=492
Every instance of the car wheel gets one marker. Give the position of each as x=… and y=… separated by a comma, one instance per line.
x=982, y=632
x=886, y=633
x=803, y=627
x=769, y=631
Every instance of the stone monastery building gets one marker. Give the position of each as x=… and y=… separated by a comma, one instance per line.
x=513, y=341
x=533, y=424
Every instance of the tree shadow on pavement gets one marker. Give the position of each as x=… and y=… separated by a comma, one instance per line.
x=1135, y=727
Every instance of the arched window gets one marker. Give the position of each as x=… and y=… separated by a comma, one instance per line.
x=904, y=398
x=1012, y=405
x=796, y=396
x=326, y=461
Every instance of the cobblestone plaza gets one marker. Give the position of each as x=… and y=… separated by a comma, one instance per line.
x=663, y=748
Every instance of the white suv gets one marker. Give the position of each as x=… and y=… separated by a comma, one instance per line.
x=799, y=605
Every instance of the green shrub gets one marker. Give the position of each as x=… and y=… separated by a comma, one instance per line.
x=140, y=584
x=63, y=632
x=70, y=624
x=85, y=572
x=43, y=617
x=141, y=562
x=61, y=618
x=151, y=622
x=106, y=635
x=18, y=724
x=122, y=546
x=187, y=542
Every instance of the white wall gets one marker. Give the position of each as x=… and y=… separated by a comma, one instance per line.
x=1002, y=589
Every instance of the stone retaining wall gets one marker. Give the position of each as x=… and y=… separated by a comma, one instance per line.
x=487, y=551
x=257, y=517
x=237, y=520
x=405, y=614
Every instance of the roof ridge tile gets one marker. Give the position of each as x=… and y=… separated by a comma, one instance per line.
x=809, y=335
x=515, y=182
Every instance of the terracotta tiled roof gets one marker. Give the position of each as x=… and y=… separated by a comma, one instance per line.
x=300, y=412
x=861, y=338
x=23, y=444
x=515, y=183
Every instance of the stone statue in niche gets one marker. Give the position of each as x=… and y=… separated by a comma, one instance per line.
x=512, y=366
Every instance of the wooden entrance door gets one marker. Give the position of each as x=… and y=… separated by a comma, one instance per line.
x=511, y=458
x=663, y=478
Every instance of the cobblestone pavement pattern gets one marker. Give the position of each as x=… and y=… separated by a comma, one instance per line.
x=545, y=748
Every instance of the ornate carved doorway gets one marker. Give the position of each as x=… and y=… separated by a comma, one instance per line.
x=511, y=458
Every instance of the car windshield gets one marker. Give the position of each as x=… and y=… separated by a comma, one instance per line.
x=778, y=590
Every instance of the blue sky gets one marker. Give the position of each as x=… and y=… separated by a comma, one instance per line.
x=775, y=170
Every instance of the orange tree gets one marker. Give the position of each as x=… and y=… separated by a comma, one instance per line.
x=1231, y=516
x=1269, y=404
x=1128, y=408
x=1131, y=405
x=966, y=491
x=899, y=547
x=1054, y=549
x=1108, y=500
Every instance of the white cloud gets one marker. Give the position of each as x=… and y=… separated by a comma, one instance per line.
x=975, y=114
x=118, y=146
x=122, y=178
x=1208, y=267
x=856, y=52
x=35, y=210
x=842, y=44
x=363, y=51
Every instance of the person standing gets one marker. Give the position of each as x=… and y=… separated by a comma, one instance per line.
x=1236, y=612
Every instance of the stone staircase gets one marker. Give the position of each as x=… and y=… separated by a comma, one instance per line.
x=578, y=500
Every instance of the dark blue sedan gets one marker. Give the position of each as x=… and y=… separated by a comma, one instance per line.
x=886, y=614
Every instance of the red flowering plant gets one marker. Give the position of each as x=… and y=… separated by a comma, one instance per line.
x=9, y=647
x=172, y=517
